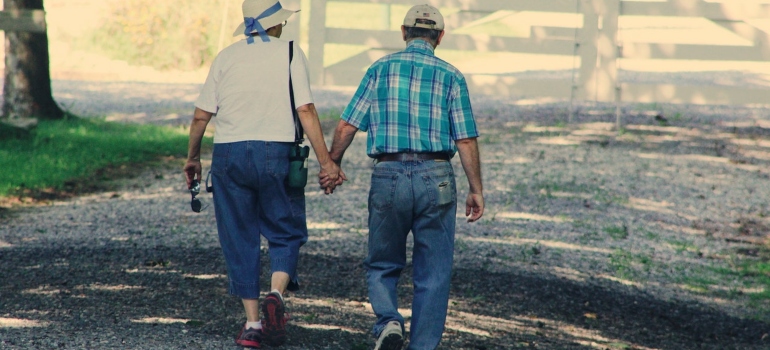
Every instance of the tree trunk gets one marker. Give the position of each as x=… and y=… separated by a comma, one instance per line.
x=27, y=86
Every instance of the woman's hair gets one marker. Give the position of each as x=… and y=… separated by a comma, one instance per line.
x=266, y=30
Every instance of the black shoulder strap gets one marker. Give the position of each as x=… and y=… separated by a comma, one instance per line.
x=298, y=132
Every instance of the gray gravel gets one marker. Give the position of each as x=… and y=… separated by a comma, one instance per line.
x=166, y=104
x=591, y=239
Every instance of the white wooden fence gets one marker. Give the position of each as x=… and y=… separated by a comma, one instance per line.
x=595, y=46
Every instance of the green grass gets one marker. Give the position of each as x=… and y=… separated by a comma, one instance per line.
x=617, y=232
x=758, y=272
x=331, y=114
x=648, y=234
x=75, y=149
x=681, y=246
x=631, y=266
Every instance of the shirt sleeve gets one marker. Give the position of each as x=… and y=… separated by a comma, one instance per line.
x=463, y=125
x=358, y=110
x=300, y=78
x=207, y=100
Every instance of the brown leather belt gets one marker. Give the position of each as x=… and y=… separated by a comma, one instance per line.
x=406, y=157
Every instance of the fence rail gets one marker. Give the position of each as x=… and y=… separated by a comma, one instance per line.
x=23, y=21
x=596, y=45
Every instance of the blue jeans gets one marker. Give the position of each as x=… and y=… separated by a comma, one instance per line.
x=251, y=198
x=421, y=197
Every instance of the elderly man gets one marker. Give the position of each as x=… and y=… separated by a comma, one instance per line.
x=417, y=112
x=247, y=89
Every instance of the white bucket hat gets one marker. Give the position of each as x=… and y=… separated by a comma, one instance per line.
x=260, y=15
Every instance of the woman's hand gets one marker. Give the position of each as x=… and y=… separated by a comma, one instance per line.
x=330, y=176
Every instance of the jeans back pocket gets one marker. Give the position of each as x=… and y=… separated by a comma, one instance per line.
x=440, y=186
x=446, y=193
x=383, y=191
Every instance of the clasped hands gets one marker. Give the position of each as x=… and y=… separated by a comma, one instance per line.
x=331, y=176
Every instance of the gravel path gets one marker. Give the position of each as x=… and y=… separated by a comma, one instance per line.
x=592, y=239
x=140, y=102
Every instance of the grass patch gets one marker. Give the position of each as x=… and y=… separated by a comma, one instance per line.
x=617, y=232
x=57, y=152
x=653, y=236
x=755, y=268
x=758, y=272
x=630, y=266
x=332, y=114
x=622, y=264
x=589, y=236
x=682, y=246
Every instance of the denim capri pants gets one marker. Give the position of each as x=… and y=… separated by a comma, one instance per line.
x=251, y=198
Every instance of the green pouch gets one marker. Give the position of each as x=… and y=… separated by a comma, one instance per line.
x=298, y=166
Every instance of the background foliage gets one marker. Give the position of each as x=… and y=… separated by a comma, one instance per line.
x=179, y=34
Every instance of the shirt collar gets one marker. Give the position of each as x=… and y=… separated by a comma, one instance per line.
x=420, y=45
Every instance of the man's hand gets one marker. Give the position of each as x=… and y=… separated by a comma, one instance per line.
x=330, y=177
x=192, y=171
x=474, y=206
x=469, y=156
x=343, y=136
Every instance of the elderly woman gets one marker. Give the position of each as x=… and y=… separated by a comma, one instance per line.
x=248, y=91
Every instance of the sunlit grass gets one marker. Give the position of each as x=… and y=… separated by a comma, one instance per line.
x=75, y=149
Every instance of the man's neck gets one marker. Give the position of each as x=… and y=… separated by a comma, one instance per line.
x=423, y=39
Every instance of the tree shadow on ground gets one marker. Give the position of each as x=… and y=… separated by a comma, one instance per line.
x=141, y=297
x=606, y=313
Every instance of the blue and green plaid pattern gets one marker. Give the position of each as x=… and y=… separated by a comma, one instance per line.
x=412, y=101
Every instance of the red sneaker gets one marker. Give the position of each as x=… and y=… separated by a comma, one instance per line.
x=250, y=338
x=273, y=320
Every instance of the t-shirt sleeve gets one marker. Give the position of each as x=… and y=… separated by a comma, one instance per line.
x=300, y=78
x=463, y=125
x=358, y=110
x=207, y=100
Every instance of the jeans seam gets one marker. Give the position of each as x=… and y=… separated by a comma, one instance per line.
x=225, y=157
x=269, y=158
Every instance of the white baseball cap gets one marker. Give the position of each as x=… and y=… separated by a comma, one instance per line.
x=424, y=12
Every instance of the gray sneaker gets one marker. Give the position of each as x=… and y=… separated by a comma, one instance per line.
x=391, y=338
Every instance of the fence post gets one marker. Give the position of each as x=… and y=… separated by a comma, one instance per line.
x=599, y=51
x=316, y=40
x=385, y=16
x=224, y=26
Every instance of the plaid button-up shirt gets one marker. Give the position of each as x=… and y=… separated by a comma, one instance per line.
x=412, y=101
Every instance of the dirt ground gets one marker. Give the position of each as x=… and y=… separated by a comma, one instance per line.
x=592, y=239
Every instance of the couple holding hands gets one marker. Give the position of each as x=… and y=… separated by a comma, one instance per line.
x=417, y=114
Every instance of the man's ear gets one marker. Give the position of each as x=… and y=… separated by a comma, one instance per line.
x=403, y=32
x=441, y=35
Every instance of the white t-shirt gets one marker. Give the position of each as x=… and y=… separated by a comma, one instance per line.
x=248, y=90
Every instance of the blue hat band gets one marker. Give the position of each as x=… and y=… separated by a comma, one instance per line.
x=252, y=24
